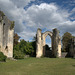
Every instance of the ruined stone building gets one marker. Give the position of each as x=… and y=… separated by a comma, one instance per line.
x=72, y=48
x=6, y=35
x=40, y=43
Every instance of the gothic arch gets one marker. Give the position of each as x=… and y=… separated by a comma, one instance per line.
x=55, y=41
x=44, y=35
x=47, y=33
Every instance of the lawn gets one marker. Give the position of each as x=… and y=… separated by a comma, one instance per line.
x=38, y=66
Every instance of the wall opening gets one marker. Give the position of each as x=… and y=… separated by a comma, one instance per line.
x=48, y=46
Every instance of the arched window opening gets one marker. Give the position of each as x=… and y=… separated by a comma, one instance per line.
x=48, y=46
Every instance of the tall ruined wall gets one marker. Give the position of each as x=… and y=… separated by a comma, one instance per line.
x=1, y=32
x=72, y=48
x=56, y=43
x=39, y=44
x=6, y=36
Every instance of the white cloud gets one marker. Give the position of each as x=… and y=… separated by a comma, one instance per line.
x=42, y=16
x=13, y=13
x=21, y=3
x=48, y=16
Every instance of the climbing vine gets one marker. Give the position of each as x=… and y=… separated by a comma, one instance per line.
x=12, y=25
x=2, y=14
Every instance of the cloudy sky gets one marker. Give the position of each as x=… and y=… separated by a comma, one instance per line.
x=45, y=14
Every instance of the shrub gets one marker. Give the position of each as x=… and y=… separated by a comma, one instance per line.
x=28, y=49
x=18, y=55
x=2, y=57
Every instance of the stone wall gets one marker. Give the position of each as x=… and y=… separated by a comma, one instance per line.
x=6, y=36
x=39, y=44
x=72, y=48
x=56, y=43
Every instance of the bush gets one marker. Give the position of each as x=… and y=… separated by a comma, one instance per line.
x=28, y=49
x=18, y=55
x=2, y=57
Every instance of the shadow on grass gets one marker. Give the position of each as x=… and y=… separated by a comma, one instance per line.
x=73, y=65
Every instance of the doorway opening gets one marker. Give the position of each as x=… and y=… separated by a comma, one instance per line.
x=48, y=47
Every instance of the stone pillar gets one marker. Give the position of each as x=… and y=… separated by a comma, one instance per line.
x=10, y=43
x=59, y=47
x=43, y=45
x=56, y=44
x=39, y=44
x=1, y=34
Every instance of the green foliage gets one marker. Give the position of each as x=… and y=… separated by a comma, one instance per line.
x=1, y=13
x=34, y=48
x=2, y=57
x=16, y=38
x=65, y=41
x=18, y=54
x=25, y=48
x=28, y=49
x=47, y=47
x=12, y=25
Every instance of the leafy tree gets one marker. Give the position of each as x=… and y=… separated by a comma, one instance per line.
x=16, y=38
x=28, y=49
x=18, y=54
x=65, y=41
x=47, y=47
x=34, y=48
x=18, y=48
x=23, y=47
x=33, y=43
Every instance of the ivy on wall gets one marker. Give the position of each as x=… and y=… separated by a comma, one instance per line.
x=12, y=25
x=2, y=14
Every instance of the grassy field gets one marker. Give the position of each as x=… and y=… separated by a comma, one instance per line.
x=36, y=66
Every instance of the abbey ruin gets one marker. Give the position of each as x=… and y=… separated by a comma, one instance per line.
x=56, y=43
x=72, y=48
x=6, y=35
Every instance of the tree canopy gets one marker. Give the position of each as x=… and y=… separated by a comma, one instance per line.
x=65, y=41
x=23, y=47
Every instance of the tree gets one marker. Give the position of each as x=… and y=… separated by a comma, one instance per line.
x=23, y=47
x=47, y=47
x=16, y=38
x=65, y=41
x=33, y=44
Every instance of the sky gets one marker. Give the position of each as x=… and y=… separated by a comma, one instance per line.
x=45, y=14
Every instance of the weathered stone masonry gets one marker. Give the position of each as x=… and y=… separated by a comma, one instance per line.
x=6, y=35
x=40, y=43
x=72, y=48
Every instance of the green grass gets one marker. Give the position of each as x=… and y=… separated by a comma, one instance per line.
x=36, y=66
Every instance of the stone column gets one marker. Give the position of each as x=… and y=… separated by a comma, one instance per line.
x=1, y=34
x=10, y=43
x=43, y=44
x=59, y=47
x=39, y=44
x=56, y=44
